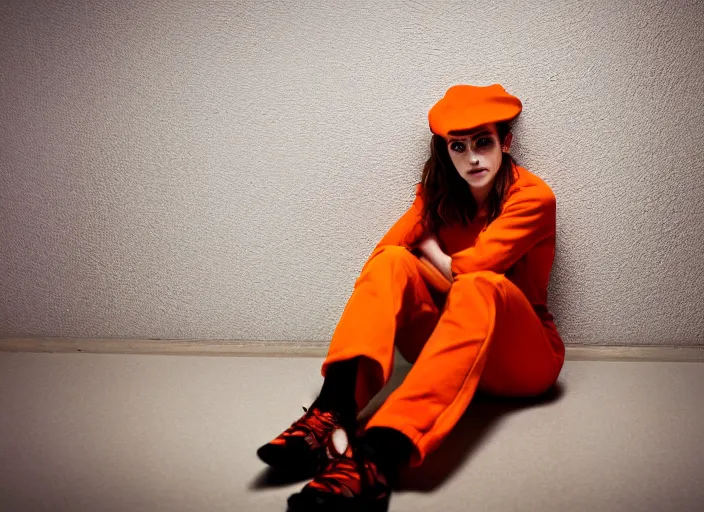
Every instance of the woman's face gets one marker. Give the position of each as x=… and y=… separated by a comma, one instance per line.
x=477, y=157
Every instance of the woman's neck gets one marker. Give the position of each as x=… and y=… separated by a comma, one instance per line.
x=481, y=195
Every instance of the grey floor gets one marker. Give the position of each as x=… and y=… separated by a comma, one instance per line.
x=88, y=432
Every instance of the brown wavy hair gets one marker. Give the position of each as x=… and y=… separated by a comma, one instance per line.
x=447, y=197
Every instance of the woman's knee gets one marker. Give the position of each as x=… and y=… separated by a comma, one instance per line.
x=390, y=254
x=393, y=252
x=472, y=280
x=387, y=260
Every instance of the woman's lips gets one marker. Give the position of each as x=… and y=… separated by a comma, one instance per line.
x=478, y=172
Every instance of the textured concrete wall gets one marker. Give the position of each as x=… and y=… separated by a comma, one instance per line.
x=222, y=169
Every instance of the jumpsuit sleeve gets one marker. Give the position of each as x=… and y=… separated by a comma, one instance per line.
x=528, y=217
x=409, y=228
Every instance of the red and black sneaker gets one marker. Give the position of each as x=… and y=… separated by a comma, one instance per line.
x=349, y=483
x=305, y=447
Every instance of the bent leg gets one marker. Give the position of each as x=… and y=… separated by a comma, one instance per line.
x=389, y=293
x=482, y=309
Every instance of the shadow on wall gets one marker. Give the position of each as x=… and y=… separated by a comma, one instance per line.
x=481, y=416
x=555, y=286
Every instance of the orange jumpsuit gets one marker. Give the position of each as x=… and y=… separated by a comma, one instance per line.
x=492, y=330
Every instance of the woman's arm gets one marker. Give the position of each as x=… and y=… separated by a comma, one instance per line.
x=408, y=229
x=430, y=248
x=527, y=218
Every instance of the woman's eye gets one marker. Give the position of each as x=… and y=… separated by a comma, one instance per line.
x=457, y=147
x=484, y=142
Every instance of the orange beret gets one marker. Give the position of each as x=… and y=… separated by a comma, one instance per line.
x=467, y=106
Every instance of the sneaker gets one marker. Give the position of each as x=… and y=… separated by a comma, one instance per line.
x=349, y=483
x=305, y=447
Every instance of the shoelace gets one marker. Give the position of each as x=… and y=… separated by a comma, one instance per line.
x=348, y=476
x=319, y=424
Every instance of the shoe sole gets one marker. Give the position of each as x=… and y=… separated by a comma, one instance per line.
x=301, y=503
x=280, y=460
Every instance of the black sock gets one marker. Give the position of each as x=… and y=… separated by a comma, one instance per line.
x=388, y=448
x=337, y=393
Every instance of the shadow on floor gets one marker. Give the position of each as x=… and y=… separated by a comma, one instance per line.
x=482, y=415
x=268, y=478
x=480, y=418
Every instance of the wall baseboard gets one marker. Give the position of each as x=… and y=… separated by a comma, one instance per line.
x=245, y=348
x=192, y=347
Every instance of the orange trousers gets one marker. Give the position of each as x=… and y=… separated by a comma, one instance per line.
x=484, y=333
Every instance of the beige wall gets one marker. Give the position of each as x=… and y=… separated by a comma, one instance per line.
x=222, y=169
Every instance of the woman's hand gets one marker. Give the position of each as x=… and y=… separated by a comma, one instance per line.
x=445, y=266
x=430, y=248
